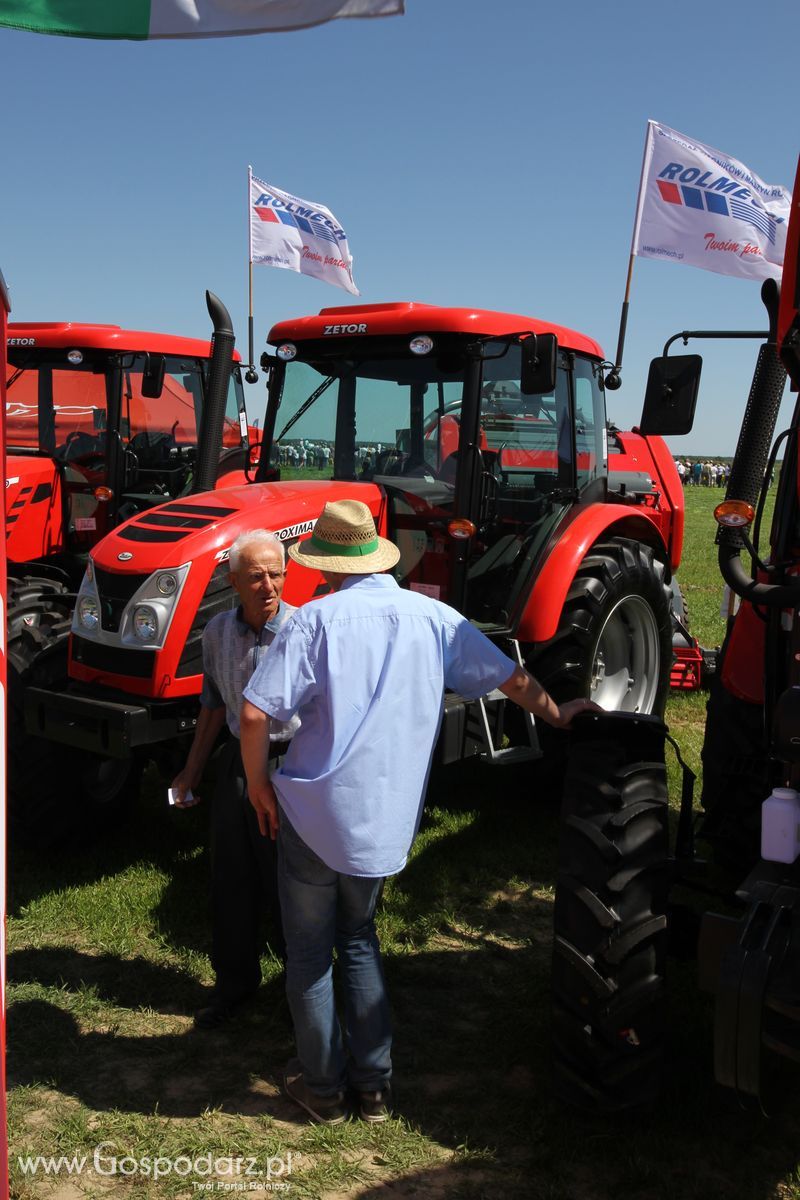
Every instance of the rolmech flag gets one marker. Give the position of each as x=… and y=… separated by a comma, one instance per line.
x=141, y=19
x=702, y=207
x=298, y=235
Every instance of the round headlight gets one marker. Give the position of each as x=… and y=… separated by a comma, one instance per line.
x=287, y=352
x=167, y=584
x=421, y=345
x=75, y=357
x=145, y=623
x=88, y=613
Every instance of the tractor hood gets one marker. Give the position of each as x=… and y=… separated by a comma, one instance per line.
x=183, y=531
x=157, y=580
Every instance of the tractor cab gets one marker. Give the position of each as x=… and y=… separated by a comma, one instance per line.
x=483, y=430
x=102, y=423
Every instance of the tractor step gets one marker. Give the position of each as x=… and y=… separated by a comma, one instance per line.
x=505, y=756
x=510, y=755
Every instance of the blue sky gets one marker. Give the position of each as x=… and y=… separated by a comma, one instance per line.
x=477, y=154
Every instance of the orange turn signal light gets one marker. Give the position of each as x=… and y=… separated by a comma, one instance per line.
x=734, y=514
x=104, y=494
x=461, y=527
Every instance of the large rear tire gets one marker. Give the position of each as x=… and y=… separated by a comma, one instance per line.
x=610, y=919
x=614, y=639
x=55, y=792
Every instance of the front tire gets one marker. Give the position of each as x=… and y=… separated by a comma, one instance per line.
x=55, y=792
x=39, y=620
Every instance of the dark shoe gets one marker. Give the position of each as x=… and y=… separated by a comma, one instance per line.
x=220, y=1011
x=376, y=1107
x=328, y=1110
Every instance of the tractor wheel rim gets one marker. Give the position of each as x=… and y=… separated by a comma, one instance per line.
x=626, y=663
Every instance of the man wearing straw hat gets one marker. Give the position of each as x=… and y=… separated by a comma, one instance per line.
x=365, y=670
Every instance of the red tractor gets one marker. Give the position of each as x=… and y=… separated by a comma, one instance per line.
x=621, y=891
x=102, y=424
x=479, y=442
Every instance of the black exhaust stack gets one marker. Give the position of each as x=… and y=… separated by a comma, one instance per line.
x=209, y=441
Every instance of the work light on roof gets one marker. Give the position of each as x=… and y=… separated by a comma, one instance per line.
x=75, y=357
x=421, y=345
x=287, y=351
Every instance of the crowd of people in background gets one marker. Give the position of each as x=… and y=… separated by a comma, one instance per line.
x=303, y=453
x=318, y=455
x=703, y=474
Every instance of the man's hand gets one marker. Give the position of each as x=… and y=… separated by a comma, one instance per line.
x=185, y=782
x=265, y=802
x=528, y=693
x=571, y=708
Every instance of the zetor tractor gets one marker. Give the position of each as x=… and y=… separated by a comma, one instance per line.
x=479, y=442
x=101, y=424
x=618, y=882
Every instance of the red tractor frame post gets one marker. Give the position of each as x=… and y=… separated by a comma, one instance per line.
x=5, y=308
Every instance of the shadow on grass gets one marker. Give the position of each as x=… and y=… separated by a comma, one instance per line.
x=471, y=1015
x=472, y=1074
x=123, y=982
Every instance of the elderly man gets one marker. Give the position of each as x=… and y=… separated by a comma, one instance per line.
x=365, y=669
x=243, y=864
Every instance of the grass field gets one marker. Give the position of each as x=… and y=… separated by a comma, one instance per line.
x=108, y=958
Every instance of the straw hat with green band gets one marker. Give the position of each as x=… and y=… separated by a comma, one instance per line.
x=344, y=540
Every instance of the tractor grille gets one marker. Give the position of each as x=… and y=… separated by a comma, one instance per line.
x=114, y=660
x=219, y=597
x=115, y=591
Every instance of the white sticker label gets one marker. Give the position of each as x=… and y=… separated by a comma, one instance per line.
x=426, y=589
x=84, y=524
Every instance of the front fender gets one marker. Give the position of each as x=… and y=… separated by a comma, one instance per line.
x=543, y=608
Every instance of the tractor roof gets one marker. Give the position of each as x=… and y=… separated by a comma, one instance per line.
x=62, y=335
x=385, y=320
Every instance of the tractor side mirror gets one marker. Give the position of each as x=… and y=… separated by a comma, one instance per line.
x=538, y=368
x=153, y=376
x=671, y=395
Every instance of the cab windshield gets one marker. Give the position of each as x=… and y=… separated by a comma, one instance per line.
x=401, y=416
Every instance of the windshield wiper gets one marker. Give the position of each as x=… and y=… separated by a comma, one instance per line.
x=13, y=378
x=306, y=405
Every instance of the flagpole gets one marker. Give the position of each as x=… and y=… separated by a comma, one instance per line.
x=251, y=374
x=612, y=380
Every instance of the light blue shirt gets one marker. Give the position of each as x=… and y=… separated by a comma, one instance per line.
x=365, y=670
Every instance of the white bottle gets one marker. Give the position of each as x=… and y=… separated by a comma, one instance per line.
x=780, y=826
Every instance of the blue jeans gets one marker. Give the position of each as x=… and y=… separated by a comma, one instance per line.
x=321, y=909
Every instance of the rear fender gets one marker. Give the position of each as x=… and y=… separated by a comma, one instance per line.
x=650, y=455
x=545, y=603
x=34, y=508
x=743, y=665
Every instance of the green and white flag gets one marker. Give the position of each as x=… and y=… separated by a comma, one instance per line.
x=142, y=19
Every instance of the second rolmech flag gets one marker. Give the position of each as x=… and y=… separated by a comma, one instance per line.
x=298, y=235
x=702, y=207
